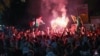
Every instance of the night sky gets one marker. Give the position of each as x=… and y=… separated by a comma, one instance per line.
x=94, y=7
x=22, y=12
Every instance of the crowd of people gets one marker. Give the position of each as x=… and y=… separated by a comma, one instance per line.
x=20, y=42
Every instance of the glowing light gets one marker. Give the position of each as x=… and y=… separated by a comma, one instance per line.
x=59, y=23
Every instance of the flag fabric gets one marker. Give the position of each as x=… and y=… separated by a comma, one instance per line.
x=73, y=18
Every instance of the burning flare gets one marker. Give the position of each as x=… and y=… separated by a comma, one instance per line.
x=60, y=22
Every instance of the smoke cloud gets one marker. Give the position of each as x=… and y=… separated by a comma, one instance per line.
x=53, y=8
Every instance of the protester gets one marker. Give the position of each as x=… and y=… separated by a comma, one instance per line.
x=46, y=43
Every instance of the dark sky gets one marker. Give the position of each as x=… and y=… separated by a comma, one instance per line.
x=94, y=7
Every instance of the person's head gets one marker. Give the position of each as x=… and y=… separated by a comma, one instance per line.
x=40, y=17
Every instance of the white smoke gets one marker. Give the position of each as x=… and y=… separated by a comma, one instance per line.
x=55, y=8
